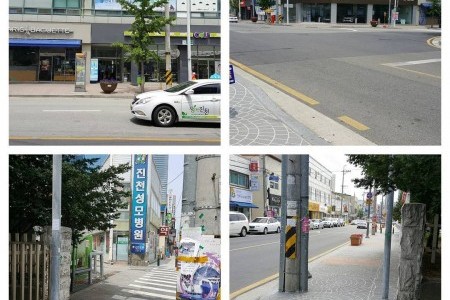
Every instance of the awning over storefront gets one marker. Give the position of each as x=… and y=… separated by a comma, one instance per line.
x=45, y=43
x=242, y=204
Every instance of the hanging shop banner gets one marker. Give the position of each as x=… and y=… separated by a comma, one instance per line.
x=239, y=195
x=139, y=204
x=254, y=183
x=80, y=69
x=94, y=69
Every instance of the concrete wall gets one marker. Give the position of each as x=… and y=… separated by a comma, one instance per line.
x=65, y=261
x=412, y=245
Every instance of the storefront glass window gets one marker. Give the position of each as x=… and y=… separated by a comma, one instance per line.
x=316, y=13
x=23, y=63
x=404, y=14
x=66, y=3
x=381, y=12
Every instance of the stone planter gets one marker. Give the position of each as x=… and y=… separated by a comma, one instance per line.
x=254, y=19
x=374, y=23
x=108, y=88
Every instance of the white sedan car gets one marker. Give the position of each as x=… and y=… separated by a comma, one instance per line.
x=190, y=101
x=264, y=225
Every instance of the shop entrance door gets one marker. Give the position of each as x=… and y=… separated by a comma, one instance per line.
x=109, y=68
x=205, y=68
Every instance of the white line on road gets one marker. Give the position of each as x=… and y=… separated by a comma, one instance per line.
x=154, y=283
x=254, y=246
x=413, y=62
x=152, y=288
x=71, y=110
x=148, y=294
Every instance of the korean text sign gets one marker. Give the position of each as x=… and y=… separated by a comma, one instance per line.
x=139, y=204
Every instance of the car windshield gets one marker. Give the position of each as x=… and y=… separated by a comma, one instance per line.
x=180, y=87
x=260, y=220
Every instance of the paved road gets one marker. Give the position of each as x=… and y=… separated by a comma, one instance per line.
x=134, y=284
x=383, y=84
x=256, y=257
x=95, y=121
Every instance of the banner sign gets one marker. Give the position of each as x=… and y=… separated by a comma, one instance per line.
x=239, y=195
x=94, y=69
x=80, y=69
x=115, y=5
x=139, y=204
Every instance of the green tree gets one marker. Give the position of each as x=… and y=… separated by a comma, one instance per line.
x=90, y=197
x=418, y=174
x=234, y=6
x=146, y=21
x=265, y=4
x=435, y=11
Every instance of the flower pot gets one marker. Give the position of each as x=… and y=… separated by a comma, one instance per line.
x=374, y=23
x=356, y=239
x=108, y=88
x=254, y=19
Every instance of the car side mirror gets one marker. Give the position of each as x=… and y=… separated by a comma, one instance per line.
x=189, y=92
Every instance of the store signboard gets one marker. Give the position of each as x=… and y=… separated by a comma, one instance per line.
x=254, y=183
x=115, y=5
x=139, y=204
x=239, y=195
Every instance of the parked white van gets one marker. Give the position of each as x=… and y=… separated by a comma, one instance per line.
x=238, y=223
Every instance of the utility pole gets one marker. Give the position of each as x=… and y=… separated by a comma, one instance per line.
x=381, y=215
x=168, y=50
x=56, y=227
x=264, y=175
x=188, y=39
x=388, y=236
x=295, y=223
x=342, y=194
x=369, y=202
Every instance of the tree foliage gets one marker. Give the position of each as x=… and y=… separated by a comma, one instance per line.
x=418, y=174
x=90, y=197
x=265, y=4
x=146, y=21
x=234, y=5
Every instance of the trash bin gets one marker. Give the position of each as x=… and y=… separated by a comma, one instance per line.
x=139, y=80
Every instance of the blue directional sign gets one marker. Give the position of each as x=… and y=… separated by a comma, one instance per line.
x=369, y=195
x=232, y=75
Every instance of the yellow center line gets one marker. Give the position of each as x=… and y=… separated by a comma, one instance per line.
x=352, y=122
x=275, y=83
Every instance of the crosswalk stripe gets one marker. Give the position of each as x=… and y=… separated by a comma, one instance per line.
x=158, y=284
x=152, y=288
x=158, y=280
x=158, y=276
x=158, y=296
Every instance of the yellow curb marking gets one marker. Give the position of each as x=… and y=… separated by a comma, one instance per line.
x=352, y=122
x=275, y=83
x=276, y=275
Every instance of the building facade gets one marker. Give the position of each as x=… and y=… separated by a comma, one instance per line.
x=411, y=12
x=46, y=35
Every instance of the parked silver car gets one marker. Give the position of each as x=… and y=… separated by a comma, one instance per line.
x=317, y=224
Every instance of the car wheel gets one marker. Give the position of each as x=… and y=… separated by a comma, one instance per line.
x=265, y=231
x=164, y=116
x=243, y=232
x=278, y=230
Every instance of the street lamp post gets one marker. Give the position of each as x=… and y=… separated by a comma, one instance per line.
x=342, y=193
x=188, y=40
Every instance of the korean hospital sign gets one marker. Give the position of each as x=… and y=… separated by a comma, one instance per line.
x=139, y=204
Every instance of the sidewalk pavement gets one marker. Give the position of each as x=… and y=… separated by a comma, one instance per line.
x=115, y=278
x=93, y=90
x=350, y=272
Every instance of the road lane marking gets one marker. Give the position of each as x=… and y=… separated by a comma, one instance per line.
x=249, y=247
x=430, y=42
x=399, y=65
x=71, y=110
x=276, y=84
x=352, y=122
x=413, y=62
x=114, y=139
x=276, y=275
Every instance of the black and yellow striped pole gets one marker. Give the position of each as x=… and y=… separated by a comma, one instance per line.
x=295, y=223
x=169, y=78
x=291, y=239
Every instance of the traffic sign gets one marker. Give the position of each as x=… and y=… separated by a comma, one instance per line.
x=232, y=80
x=369, y=195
